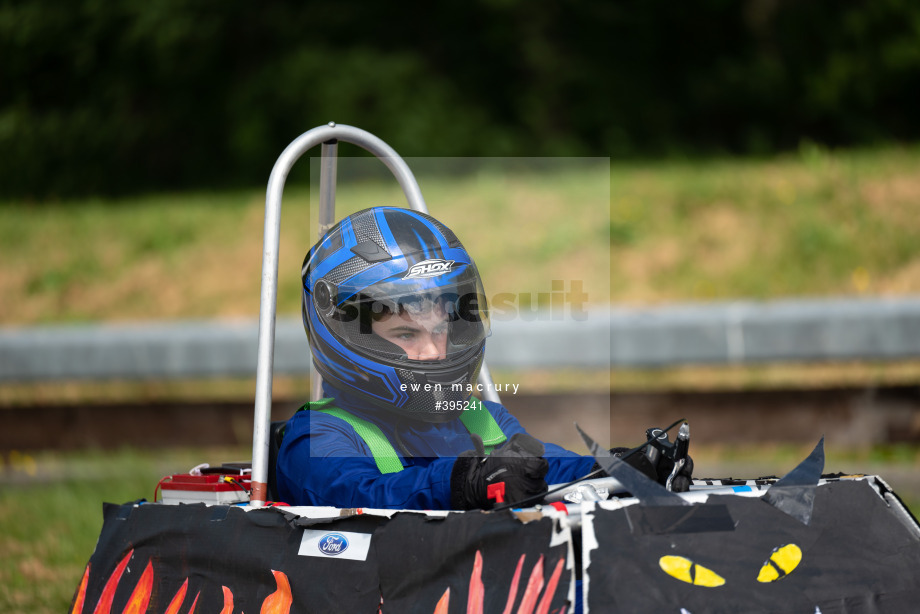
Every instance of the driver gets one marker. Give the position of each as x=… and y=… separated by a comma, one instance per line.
x=397, y=320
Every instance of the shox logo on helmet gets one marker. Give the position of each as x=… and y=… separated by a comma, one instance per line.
x=429, y=268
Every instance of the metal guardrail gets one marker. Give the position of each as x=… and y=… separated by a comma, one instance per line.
x=715, y=333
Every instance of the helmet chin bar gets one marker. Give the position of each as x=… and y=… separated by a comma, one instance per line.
x=423, y=406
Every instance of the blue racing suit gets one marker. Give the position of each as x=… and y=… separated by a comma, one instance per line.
x=323, y=461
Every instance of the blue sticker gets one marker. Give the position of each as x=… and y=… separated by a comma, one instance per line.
x=333, y=544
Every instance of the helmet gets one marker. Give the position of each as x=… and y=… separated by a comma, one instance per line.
x=377, y=287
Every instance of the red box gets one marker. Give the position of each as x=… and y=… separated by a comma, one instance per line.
x=213, y=489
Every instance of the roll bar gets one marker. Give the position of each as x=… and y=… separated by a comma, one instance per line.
x=328, y=136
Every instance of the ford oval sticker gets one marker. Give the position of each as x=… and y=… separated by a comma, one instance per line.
x=333, y=544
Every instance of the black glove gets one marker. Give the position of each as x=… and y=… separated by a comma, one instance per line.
x=638, y=461
x=519, y=464
x=683, y=478
x=660, y=472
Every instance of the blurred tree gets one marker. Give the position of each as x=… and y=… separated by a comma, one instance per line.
x=166, y=94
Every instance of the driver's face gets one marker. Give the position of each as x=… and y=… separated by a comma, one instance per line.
x=422, y=335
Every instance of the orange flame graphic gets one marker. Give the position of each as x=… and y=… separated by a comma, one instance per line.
x=443, y=603
x=279, y=602
x=140, y=596
x=104, y=605
x=512, y=591
x=476, y=600
x=177, y=601
x=81, y=593
x=477, y=590
x=534, y=586
x=228, y=601
x=543, y=608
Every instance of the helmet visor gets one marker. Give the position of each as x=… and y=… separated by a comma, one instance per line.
x=430, y=319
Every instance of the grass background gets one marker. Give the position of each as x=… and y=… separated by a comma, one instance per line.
x=817, y=223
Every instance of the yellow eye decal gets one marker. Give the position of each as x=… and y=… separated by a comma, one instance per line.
x=780, y=564
x=687, y=571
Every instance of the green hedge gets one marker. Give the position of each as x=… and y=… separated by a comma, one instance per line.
x=102, y=97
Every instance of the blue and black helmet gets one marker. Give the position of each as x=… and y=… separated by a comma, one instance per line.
x=395, y=312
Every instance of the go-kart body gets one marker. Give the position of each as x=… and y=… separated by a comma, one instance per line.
x=217, y=543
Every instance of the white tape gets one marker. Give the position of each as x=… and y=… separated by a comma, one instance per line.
x=335, y=544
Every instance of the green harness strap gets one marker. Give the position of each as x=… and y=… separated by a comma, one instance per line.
x=477, y=420
x=384, y=454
